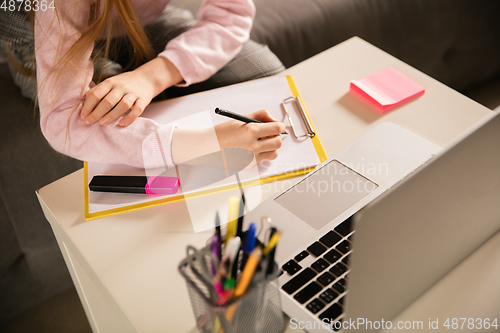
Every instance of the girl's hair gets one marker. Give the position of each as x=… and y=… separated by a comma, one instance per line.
x=99, y=22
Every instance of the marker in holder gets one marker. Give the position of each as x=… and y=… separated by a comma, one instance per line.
x=258, y=310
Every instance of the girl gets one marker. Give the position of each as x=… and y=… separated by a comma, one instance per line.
x=100, y=121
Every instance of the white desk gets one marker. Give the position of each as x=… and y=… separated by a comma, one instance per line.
x=125, y=266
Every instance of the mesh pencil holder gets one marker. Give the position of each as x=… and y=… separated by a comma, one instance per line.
x=257, y=311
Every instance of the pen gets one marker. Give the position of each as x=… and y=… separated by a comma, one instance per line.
x=224, y=298
x=233, y=269
x=236, y=116
x=229, y=284
x=270, y=263
x=232, y=219
x=217, y=233
x=239, y=233
x=229, y=253
x=239, y=228
x=215, y=250
x=249, y=243
x=248, y=271
x=272, y=243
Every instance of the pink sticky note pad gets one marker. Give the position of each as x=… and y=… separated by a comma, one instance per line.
x=386, y=89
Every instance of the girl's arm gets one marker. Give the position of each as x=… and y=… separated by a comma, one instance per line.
x=193, y=56
x=60, y=94
x=222, y=28
x=144, y=143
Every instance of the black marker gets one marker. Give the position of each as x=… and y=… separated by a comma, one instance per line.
x=135, y=184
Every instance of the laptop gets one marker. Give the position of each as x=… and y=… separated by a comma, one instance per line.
x=426, y=210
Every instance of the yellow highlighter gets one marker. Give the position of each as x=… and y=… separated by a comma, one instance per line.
x=232, y=224
x=272, y=243
x=248, y=271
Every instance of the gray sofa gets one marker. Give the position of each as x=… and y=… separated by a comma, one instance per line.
x=454, y=41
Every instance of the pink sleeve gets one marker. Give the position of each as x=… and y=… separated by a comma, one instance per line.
x=223, y=26
x=60, y=100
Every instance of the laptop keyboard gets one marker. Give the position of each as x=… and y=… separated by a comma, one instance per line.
x=321, y=287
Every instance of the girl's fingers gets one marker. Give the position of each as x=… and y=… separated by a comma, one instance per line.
x=106, y=105
x=122, y=107
x=262, y=139
x=261, y=115
x=136, y=111
x=269, y=144
x=93, y=97
x=267, y=156
x=270, y=129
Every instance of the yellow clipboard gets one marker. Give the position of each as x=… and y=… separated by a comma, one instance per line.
x=311, y=133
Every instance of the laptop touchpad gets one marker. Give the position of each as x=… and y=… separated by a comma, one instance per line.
x=325, y=194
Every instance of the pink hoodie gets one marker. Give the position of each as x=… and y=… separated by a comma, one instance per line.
x=222, y=27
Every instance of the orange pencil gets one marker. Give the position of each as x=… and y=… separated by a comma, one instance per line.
x=248, y=271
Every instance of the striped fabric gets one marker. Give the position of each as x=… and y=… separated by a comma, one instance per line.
x=17, y=47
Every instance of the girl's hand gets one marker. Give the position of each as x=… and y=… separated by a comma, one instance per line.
x=114, y=97
x=262, y=139
x=132, y=91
